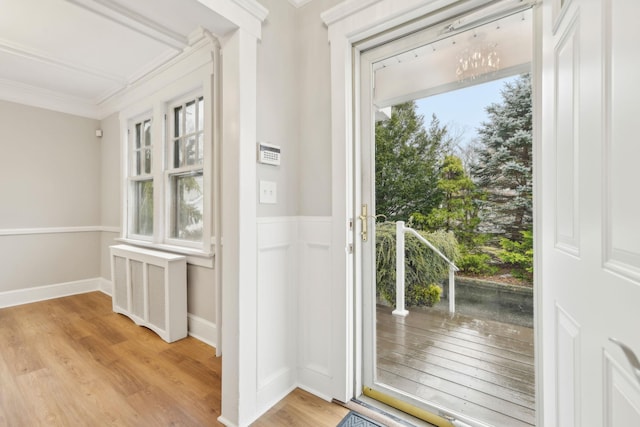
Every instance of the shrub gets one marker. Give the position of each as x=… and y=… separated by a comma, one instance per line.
x=423, y=268
x=519, y=254
x=477, y=264
x=424, y=295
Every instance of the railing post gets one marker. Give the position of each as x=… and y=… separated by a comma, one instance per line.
x=452, y=289
x=400, y=310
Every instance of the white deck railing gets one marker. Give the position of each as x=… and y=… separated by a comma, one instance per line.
x=400, y=276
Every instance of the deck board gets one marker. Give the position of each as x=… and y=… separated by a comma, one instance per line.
x=482, y=369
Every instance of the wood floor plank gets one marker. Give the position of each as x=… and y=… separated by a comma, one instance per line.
x=302, y=409
x=73, y=362
x=433, y=336
x=471, y=367
x=436, y=396
x=482, y=369
x=512, y=337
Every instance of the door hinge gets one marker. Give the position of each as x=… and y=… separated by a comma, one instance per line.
x=350, y=224
x=350, y=248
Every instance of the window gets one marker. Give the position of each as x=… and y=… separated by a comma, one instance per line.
x=185, y=172
x=168, y=193
x=141, y=181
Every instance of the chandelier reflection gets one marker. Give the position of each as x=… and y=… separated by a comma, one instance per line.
x=476, y=61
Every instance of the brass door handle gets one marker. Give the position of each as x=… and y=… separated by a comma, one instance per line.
x=364, y=219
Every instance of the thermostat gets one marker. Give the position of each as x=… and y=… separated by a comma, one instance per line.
x=268, y=154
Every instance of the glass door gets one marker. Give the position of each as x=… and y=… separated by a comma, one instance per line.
x=446, y=189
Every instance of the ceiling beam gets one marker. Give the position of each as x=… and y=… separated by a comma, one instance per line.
x=126, y=17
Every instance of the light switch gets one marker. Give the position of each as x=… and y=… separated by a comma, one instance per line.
x=268, y=190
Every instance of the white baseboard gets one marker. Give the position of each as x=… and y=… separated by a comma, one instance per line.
x=225, y=421
x=202, y=330
x=106, y=286
x=41, y=293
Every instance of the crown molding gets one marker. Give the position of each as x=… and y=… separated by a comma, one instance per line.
x=21, y=93
x=344, y=10
x=257, y=10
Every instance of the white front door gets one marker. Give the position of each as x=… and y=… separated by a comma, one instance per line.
x=589, y=232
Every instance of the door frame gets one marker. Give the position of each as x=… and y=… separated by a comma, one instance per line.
x=354, y=27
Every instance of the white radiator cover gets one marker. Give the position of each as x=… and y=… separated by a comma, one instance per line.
x=150, y=287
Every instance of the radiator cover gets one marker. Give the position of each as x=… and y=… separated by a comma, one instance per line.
x=150, y=287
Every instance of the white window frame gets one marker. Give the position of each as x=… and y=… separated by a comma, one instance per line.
x=133, y=177
x=170, y=170
x=200, y=82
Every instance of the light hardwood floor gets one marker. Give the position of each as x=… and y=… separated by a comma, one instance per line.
x=73, y=362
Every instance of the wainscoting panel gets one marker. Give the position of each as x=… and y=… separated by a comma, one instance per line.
x=294, y=307
x=315, y=301
x=277, y=313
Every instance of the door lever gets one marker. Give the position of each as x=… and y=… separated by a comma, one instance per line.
x=631, y=357
x=364, y=218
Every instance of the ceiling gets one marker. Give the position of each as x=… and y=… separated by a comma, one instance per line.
x=74, y=55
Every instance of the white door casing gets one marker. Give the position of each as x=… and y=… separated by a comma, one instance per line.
x=589, y=238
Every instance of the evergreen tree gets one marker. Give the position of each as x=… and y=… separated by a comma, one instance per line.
x=458, y=211
x=407, y=159
x=504, y=168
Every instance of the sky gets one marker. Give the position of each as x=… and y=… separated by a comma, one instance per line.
x=462, y=110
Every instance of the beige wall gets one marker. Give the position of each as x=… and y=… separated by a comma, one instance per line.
x=294, y=107
x=50, y=174
x=277, y=109
x=50, y=168
x=314, y=105
x=110, y=198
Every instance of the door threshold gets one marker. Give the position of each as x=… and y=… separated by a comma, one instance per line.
x=382, y=413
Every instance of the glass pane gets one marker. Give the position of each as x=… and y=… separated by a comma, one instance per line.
x=178, y=153
x=190, y=117
x=147, y=161
x=137, y=165
x=177, y=121
x=147, y=132
x=201, y=114
x=190, y=151
x=187, y=206
x=200, y=148
x=137, y=136
x=142, y=217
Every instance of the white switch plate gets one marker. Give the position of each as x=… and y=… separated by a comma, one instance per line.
x=268, y=192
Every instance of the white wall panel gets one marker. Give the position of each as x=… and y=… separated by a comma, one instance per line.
x=315, y=305
x=276, y=309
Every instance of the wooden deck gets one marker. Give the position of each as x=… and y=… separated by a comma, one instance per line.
x=482, y=369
